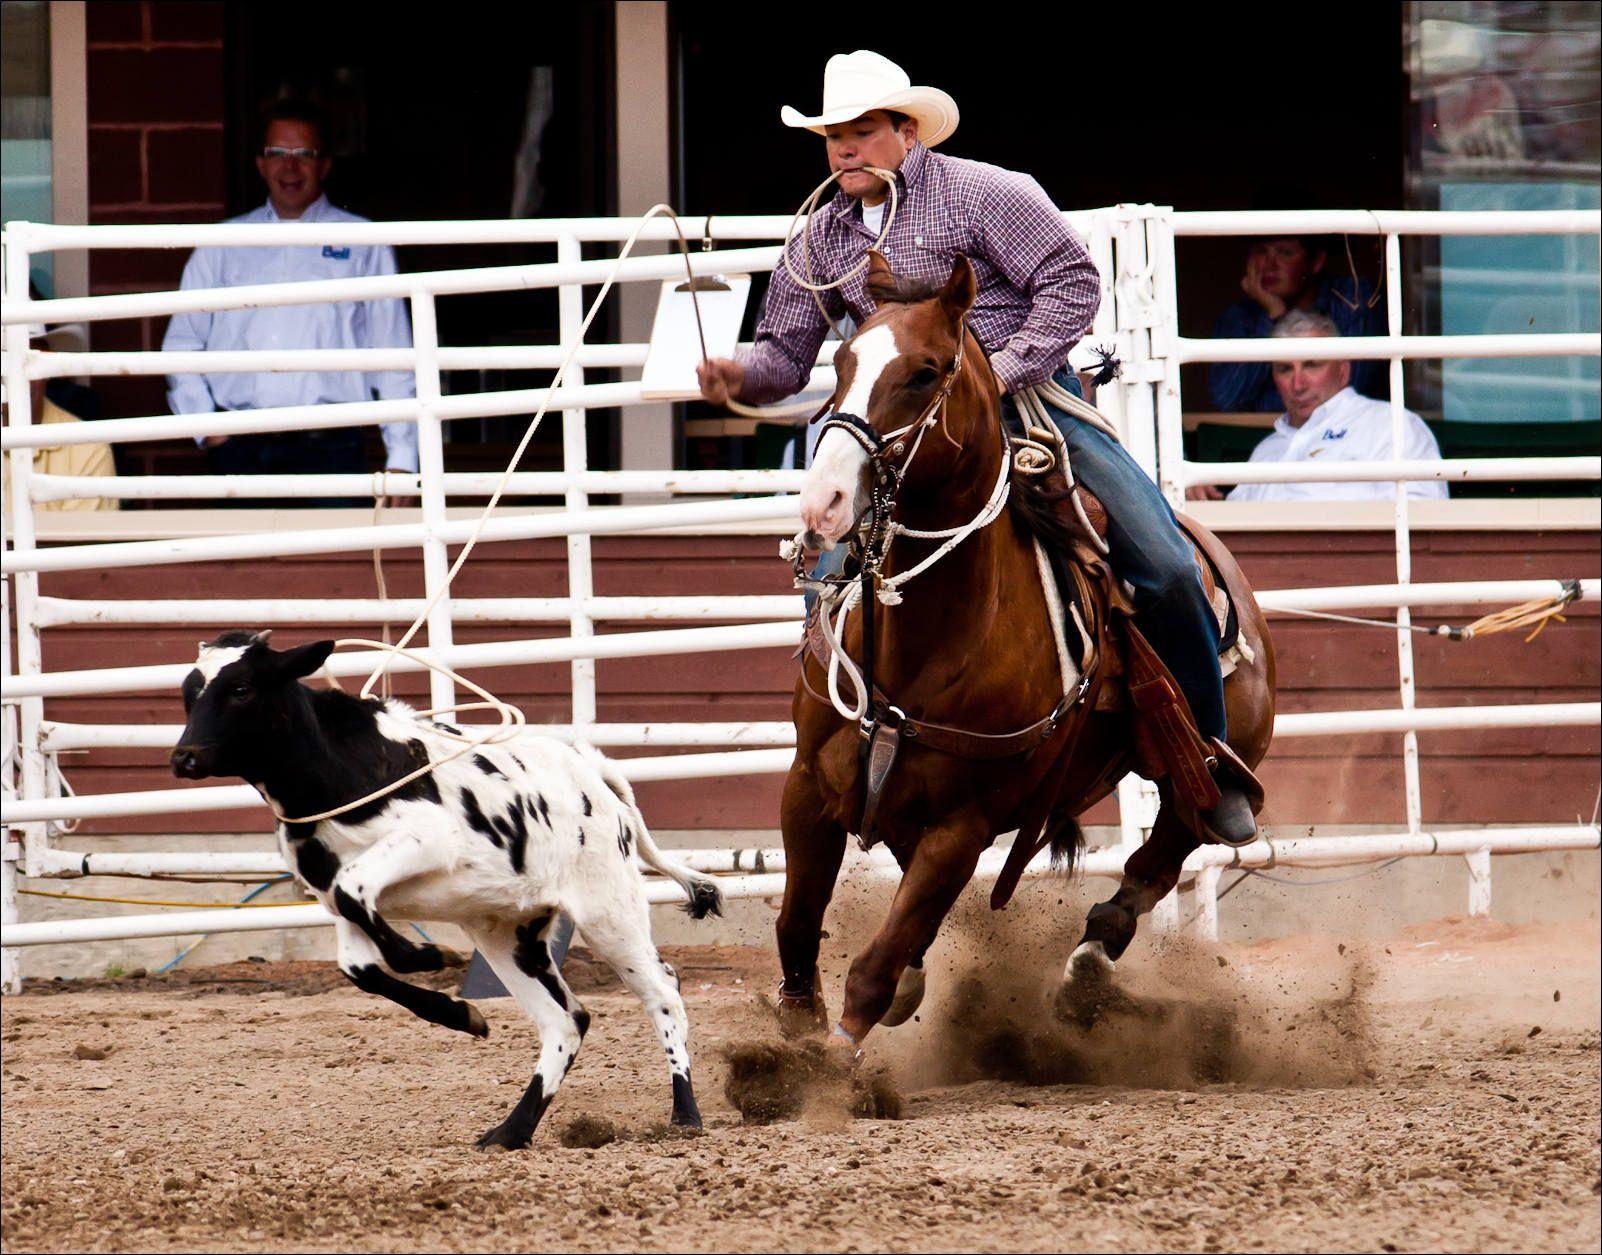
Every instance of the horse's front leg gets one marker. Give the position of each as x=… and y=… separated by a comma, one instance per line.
x=813, y=848
x=941, y=865
x=1150, y=873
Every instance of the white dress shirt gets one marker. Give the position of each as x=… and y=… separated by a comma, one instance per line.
x=342, y=325
x=1349, y=427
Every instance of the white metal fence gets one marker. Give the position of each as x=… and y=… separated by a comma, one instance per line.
x=1133, y=247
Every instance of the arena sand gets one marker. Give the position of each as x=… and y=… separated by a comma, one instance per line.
x=1435, y=1089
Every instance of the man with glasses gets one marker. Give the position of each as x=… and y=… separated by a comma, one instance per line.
x=293, y=161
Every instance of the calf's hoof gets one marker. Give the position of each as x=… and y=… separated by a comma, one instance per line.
x=686, y=1112
x=504, y=1137
x=473, y=1021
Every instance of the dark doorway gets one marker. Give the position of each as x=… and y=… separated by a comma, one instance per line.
x=510, y=116
x=1237, y=106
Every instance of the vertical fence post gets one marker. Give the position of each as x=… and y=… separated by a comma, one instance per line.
x=1169, y=417
x=1207, y=901
x=10, y=851
x=1104, y=330
x=575, y=461
x=1479, y=865
x=431, y=470
x=1404, y=537
x=1137, y=310
x=19, y=405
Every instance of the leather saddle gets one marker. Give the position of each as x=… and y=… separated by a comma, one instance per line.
x=1128, y=674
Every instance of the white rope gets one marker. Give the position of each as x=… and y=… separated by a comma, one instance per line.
x=889, y=590
x=528, y=435
x=511, y=720
x=804, y=213
x=848, y=598
x=1054, y=612
x=1050, y=392
x=510, y=716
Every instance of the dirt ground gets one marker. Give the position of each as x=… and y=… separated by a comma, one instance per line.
x=1436, y=1090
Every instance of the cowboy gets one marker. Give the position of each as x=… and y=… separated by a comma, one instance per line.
x=1038, y=292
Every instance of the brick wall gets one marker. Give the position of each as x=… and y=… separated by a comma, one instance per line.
x=156, y=154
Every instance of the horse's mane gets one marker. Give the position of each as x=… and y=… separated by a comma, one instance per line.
x=1034, y=508
x=889, y=289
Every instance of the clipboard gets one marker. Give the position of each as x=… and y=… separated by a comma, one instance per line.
x=675, y=351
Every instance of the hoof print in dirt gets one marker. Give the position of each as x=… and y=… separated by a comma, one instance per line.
x=769, y=1081
x=588, y=1133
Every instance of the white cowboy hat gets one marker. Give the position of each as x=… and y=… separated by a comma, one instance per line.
x=855, y=83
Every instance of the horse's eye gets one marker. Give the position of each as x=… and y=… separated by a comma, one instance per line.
x=923, y=377
x=241, y=692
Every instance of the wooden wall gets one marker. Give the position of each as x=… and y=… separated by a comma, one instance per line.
x=1513, y=775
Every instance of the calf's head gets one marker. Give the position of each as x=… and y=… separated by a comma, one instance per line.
x=242, y=699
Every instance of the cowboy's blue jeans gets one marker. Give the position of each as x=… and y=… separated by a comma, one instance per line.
x=1150, y=553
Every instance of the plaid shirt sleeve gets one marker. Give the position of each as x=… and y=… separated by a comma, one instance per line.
x=792, y=331
x=1024, y=236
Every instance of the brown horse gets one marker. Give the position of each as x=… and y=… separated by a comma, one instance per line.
x=966, y=657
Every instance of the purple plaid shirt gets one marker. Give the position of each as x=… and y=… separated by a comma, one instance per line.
x=1038, y=288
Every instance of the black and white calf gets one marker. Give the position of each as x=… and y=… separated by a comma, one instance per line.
x=497, y=841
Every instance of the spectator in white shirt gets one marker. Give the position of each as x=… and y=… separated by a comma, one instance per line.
x=1326, y=419
x=294, y=163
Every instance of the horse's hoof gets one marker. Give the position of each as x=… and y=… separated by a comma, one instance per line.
x=842, y=1049
x=1087, y=985
x=909, y=997
x=799, y=1016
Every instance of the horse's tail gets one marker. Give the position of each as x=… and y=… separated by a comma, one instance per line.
x=1067, y=841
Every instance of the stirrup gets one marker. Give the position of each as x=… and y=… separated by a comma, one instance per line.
x=1231, y=822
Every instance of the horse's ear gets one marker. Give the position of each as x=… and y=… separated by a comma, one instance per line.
x=961, y=289
x=881, y=282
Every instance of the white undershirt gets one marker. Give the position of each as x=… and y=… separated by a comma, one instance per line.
x=873, y=216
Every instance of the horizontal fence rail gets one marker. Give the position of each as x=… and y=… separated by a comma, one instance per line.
x=1132, y=245
x=1304, y=852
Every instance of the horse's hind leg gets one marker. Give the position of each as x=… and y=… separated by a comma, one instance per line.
x=813, y=849
x=1149, y=874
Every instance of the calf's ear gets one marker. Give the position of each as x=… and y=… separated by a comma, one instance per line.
x=293, y=664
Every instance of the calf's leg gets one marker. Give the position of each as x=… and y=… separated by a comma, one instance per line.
x=360, y=960
x=358, y=885
x=521, y=957
x=621, y=935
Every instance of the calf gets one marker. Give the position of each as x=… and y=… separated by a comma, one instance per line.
x=497, y=841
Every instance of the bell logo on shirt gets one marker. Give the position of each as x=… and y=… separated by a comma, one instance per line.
x=1334, y=433
x=338, y=254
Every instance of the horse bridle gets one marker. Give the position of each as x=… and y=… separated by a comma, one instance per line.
x=888, y=460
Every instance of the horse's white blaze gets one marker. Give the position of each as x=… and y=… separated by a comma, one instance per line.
x=835, y=487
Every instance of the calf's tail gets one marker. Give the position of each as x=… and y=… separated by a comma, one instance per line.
x=705, y=898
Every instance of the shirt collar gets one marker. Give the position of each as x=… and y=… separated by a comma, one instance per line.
x=314, y=211
x=847, y=208
x=1325, y=411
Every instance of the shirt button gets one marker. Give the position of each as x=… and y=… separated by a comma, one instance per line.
x=918, y=240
